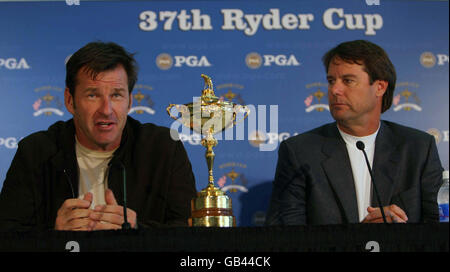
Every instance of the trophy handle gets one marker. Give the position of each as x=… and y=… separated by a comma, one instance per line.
x=168, y=111
x=247, y=112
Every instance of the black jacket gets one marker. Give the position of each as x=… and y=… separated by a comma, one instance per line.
x=44, y=173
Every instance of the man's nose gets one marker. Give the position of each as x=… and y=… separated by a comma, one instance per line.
x=106, y=106
x=337, y=88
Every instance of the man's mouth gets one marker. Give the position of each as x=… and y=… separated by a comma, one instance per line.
x=337, y=104
x=105, y=124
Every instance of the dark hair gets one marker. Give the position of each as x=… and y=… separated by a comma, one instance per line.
x=97, y=57
x=375, y=61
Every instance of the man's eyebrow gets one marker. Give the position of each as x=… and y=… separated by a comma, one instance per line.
x=119, y=89
x=91, y=89
x=349, y=75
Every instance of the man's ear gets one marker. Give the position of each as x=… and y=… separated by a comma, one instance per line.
x=69, y=101
x=131, y=101
x=381, y=86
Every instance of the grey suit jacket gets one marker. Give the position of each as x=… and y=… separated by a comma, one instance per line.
x=314, y=181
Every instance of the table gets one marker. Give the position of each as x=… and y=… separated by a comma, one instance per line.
x=329, y=238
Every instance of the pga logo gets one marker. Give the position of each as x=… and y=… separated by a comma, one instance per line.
x=193, y=139
x=10, y=142
x=255, y=61
x=192, y=61
x=73, y=2
x=165, y=61
x=278, y=137
x=13, y=64
x=373, y=2
x=442, y=59
x=428, y=59
x=280, y=60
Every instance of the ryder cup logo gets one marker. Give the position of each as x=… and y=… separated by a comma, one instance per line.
x=231, y=180
x=230, y=93
x=406, y=100
x=48, y=101
x=315, y=100
x=142, y=99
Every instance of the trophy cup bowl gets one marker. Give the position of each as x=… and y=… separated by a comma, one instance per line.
x=208, y=116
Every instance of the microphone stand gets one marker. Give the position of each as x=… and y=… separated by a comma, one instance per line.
x=360, y=146
x=125, y=225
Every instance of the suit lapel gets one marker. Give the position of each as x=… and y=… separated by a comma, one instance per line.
x=65, y=160
x=338, y=170
x=384, y=169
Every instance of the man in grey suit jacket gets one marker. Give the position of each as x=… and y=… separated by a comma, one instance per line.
x=322, y=177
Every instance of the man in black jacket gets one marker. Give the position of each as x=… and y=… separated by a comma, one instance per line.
x=71, y=177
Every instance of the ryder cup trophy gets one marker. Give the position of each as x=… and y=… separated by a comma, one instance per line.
x=208, y=116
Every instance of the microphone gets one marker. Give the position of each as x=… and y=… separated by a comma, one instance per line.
x=360, y=146
x=125, y=224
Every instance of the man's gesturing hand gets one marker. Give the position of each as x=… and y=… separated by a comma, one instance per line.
x=74, y=214
x=393, y=214
x=110, y=216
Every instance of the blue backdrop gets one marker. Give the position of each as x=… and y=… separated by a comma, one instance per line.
x=256, y=52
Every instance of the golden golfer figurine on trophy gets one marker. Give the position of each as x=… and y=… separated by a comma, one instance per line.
x=208, y=116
